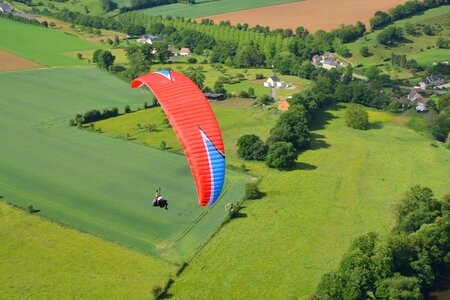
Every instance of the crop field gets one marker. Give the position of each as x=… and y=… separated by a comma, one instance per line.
x=97, y=184
x=54, y=262
x=309, y=214
x=11, y=62
x=422, y=47
x=41, y=45
x=313, y=15
x=206, y=8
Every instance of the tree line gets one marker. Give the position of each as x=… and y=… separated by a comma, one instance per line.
x=20, y=19
x=402, y=265
x=403, y=11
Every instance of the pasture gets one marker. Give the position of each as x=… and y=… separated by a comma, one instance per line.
x=97, y=184
x=11, y=62
x=313, y=15
x=52, y=261
x=421, y=47
x=41, y=45
x=345, y=185
x=206, y=8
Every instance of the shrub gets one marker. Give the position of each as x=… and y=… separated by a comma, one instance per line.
x=252, y=191
x=192, y=60
x=127, y=109
x=156, y=291
x=251, y=147
x=72, y=122
x=281, y=155
x=30, y=209
x=364, y=51
x=232, y=209
x=356, y=117
x=163, y=145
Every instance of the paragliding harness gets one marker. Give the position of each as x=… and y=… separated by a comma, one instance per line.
x=159, y=200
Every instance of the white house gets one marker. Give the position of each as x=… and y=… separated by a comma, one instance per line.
x=149, y=39
x=185, y=51
x=326, y=61
x=274, y=82
x=5, y=8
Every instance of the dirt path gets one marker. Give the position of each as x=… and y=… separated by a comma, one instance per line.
x=312, y=14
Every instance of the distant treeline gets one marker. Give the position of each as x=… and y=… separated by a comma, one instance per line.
x=402, y=11
x=141, y=4
x=24, y=20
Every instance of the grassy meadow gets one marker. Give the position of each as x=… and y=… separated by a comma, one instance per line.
x=97, y=184
x=345, y=185
x=206, y=8
x=42, y=45
x=55, y=262
x=414, y=48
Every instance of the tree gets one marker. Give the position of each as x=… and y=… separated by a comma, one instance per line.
x=251, y=147
x=248, y=56
x=292, y=126
x=286, y=63
x=356, y=117
x=137, y=62
x=399, y=287
x=105, y=59
x=364, y=51
x=390, y=35
x=417, y=207
x=281, y=155
x=127, y=109
x=441, y=129
x=330, y=287
x=197, y=76
x=252, y=191
x=218, y=87
x=442, y=43
x=79, y=56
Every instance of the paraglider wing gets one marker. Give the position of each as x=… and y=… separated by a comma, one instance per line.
x=196, y=127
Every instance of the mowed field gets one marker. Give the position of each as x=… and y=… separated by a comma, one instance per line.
x=312, y=14
x=43, y=260
x=11, y=62
x=345, y=185
x=97, y=184
x=205, y=8
x=41, y=45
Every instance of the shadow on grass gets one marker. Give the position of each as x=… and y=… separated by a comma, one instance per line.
x=323, y=117
x=317, y=142
x=375, y=125
x=239, y=215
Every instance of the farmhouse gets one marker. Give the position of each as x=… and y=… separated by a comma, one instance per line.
x=5, y=8
x=185, y=51
x=326, y=61
x=149, y=39
x=431, y=81
x=413, y=96
x=274, y=82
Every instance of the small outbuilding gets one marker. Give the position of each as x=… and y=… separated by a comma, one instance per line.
x=215, y=96
x=149, y=39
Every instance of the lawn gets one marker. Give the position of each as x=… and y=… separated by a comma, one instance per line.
x=42, y=45
x=206, y=8
x=415, y=48
x=345, y=185
x=97, y=184
x=50, y=261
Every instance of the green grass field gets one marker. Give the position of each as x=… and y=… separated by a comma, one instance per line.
x=206, y=8
x=416, y=48
x=94, y=183
x=344, y=186
x=42, y=260
x=42, y=45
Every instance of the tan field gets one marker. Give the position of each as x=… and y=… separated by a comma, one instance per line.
x=11, y=62
x=312, y=14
